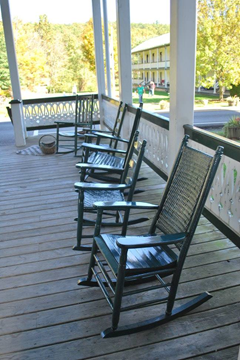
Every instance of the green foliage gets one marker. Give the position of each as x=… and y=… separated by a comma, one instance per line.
x=88, y=45
x=218, y=51
x=235, y=90
x=231, y=129
x=31, y=56
x=142, y=32
x=233, y=122
x=57, y=57
x=5, y=84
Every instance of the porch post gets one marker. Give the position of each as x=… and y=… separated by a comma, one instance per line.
x=17, y=113
x=107, y=51
x=165, y=70
x=98, y=43
x=124, y=50
x=182, y=70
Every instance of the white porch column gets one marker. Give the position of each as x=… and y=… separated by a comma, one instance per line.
x=165, y=70
x=182, y=71
x=124, y=50
x=112, y=64
x=98, y=43
x=107, y=52
x=17, y=114
x=165, y=79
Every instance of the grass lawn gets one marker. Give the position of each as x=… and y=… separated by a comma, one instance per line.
x=151, y=103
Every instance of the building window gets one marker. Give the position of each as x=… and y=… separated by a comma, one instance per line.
x=147, y=58
x=160, y=56
x=153, y=58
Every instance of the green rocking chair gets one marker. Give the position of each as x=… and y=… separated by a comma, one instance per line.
x=68, y=141
x=111, y=136
x=88, y=193
x=112, y=157
x=161, y=253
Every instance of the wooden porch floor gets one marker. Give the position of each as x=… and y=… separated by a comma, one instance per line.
x=43, y=312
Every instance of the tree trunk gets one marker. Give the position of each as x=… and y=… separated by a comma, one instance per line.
x=221, y=92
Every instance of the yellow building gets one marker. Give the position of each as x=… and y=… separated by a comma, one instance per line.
x=151, y=61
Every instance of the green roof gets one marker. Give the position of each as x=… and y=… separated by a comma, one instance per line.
x=155, y=42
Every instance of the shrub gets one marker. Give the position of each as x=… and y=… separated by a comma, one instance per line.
x=233, y=122
x=163, y=104
x=232, y=100
x=204, y=101
x=235, y=90
x=232, y=128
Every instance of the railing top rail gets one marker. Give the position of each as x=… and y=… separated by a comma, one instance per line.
x=111, y=100
x=231, y=148
x=56, y=99
x=160, y=120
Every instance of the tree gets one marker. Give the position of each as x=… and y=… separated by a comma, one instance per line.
x=218, y=51
x=88, y=45
x=43, y=28
x=142, y=32
x=30, y=55
x=5, y=84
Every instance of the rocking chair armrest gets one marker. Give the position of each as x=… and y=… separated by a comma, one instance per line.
x=102, y=131
x=90, y=135
x=86, y=166
x=62, y=122
x=123, y=205
x=100, y=186
x=134, y=242
x=94, y=134
x=111, y=137
x=93, y=147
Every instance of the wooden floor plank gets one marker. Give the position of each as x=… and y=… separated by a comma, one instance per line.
x=70, y=341
x=228, y=354
x=43, y=312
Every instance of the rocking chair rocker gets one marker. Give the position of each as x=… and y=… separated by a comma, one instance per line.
x=134, y=259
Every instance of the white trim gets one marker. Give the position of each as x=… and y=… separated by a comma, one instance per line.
x=124, y=50
x=107, y=51
x=17, y=113
x=182, y=70
x=97, y=26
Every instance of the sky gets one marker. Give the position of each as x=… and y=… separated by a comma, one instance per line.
x=141, y=11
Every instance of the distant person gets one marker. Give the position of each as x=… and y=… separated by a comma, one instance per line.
x=140, y=91
x=74, y=90
x=151, y=88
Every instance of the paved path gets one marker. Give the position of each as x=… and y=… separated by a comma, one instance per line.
x=207, y=117
x=202, y=117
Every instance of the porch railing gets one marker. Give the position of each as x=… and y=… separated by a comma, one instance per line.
x=223, y=205
x=41, y=113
